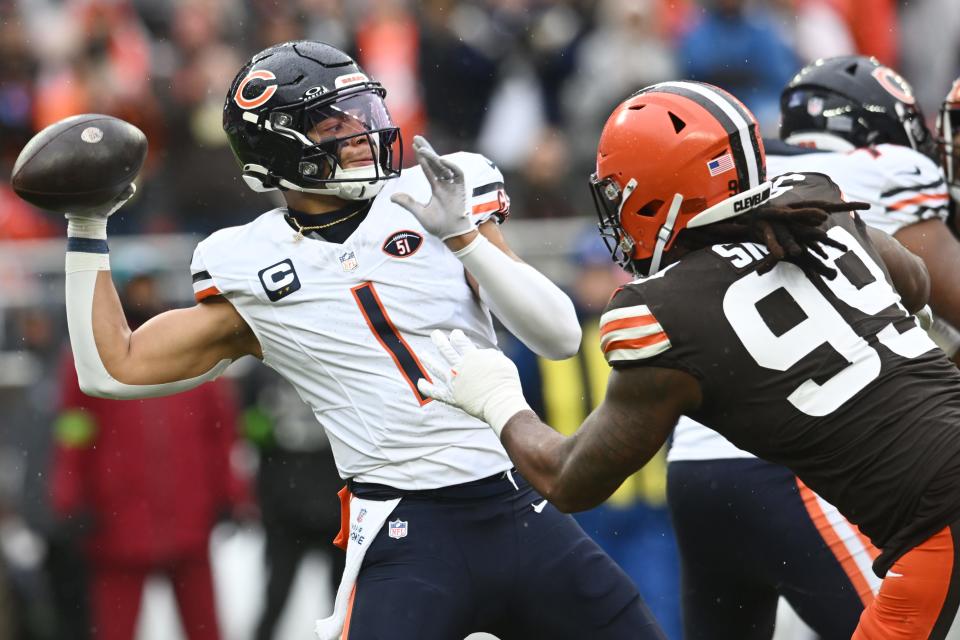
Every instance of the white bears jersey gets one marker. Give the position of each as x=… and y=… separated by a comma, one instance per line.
x=345, y=324
x=901, y=185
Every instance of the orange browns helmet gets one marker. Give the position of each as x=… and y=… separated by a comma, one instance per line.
x=674, y=155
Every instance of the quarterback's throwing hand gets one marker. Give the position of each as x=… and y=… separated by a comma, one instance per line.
x=483, y=382
x=447, y=215
x=92, y=223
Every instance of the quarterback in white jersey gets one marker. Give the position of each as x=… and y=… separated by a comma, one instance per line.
x=339, y=292
x=320, y=309
x=908, y=199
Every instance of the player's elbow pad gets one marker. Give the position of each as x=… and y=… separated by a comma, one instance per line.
x=92, y=375
x=531, y=306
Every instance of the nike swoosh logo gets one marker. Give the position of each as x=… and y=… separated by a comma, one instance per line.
x=538, y=507
x=894, y=575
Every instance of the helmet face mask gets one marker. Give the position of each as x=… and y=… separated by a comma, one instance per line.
x=672, y=156
x=302, y=116
x=857, y=99
x=948, y=140
x=608, y=200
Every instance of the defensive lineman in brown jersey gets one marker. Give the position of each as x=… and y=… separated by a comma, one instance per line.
x=771, y=314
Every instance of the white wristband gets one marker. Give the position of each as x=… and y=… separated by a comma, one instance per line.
x=505, y=408
x=92, y=228
x=87, y=244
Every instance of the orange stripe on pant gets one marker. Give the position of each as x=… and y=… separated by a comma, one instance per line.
x=346, y=622
x=913, y=594
x=836, y=545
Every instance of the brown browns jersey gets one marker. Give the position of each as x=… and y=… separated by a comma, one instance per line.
x=832, y=378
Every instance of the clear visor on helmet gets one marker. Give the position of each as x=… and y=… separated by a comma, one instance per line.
x=349, y=139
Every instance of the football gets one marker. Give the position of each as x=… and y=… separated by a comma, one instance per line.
x=79, y=163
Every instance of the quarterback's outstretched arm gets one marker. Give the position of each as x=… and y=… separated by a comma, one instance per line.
x=531, y=306
x=641, y=407
x=174, y=351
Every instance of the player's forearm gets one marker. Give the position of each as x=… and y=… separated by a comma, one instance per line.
x=531, y=306
x=107, y=364
x=557, y=466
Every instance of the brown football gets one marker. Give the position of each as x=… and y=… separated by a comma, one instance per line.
x=79, y=163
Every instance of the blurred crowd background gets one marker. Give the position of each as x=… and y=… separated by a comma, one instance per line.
x=96, y=497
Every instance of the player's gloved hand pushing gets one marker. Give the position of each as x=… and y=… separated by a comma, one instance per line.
x=483, y=382
x=447, y=215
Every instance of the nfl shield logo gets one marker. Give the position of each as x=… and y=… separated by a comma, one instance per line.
x=348, y=261
x=398, y=529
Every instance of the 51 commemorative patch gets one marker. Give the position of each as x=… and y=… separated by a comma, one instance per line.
x=403, y=244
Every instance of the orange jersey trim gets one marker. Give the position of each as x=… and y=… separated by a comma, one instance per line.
x=923, y=197
x=493, y=205
x=206, y=293
x=637, y=343
x=627, y=323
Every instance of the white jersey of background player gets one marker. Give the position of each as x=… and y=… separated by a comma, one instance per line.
x=344, y=324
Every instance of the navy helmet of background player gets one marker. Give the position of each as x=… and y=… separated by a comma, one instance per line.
x=853, y=102
x=275, y=104
x=855, y=98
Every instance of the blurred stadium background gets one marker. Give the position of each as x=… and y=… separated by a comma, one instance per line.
x=527, y=82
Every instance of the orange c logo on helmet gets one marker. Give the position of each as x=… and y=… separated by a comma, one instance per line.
x=269, y=90
x=894, y=84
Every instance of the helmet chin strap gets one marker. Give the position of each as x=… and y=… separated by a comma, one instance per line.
x=664, y=234
x=363, y=185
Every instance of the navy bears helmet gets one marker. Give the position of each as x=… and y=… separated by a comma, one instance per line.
x=303, y=116
x=855, y=98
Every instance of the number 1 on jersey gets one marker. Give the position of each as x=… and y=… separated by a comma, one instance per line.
x=389, y=338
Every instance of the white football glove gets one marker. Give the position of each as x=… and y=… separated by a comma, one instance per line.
x=92, y=223
x=447, y=215
x=483, y=382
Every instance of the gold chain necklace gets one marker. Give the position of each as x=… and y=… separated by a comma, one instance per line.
x=298, y=236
